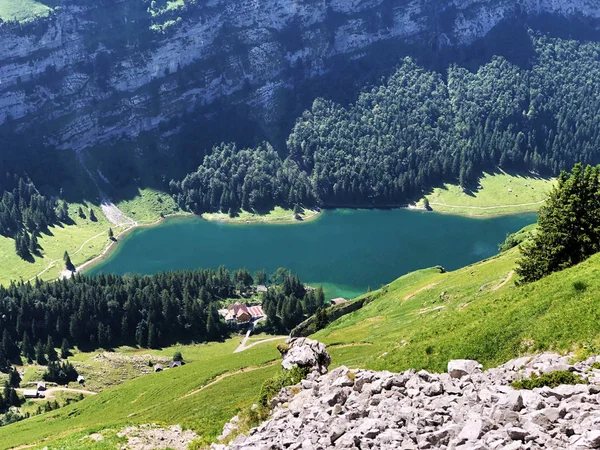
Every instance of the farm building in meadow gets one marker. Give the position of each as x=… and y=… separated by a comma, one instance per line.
x=241, y=313
x=261, y=288
x=31, y=393
x=158, y=367
x=41, y=386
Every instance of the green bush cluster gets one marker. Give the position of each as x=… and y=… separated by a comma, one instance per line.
x=552, y=379
x=272, y=386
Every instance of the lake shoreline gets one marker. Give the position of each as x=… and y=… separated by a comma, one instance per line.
x=348, y=251
x=112, y=246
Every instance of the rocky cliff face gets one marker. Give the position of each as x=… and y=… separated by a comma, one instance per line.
x=464, y=409
x=93, y=71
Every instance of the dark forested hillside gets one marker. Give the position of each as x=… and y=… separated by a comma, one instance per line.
x=150, y=311
x=417, y=129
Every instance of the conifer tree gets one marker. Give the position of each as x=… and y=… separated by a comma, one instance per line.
x=14, y=398
x=40, y=358
x=62, y=212
x=27, y=348
x=10, y=350
x=212, y=325
x=568, y=225
x=50, y=350
x=68, y=264
x=14, y=379
x=33, y=244
x=4, y=364
x=426, y=204
x=64, y=349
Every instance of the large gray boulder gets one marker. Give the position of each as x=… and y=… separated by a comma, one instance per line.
x=459, y=368
x=305, y=353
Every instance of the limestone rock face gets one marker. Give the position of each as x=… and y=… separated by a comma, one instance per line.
x=304, y=352
x=358, y=409
x=93, y=76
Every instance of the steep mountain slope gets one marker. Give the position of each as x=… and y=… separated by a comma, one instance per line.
x=92, y=71
x=420, y=320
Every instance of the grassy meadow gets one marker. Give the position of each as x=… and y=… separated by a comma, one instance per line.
x=501, y=193
x=427, y=318
x=148, y=204
x=84, y=240
x=167, y=397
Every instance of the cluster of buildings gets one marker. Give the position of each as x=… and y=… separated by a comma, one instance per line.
x=240, y=313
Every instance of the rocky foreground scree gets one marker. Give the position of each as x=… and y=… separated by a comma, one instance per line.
x=464, y=409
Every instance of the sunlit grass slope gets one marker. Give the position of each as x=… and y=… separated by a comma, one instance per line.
x=427, y=318
x=84, y=239
x=165, y=398
x=148, y=204
x=501, y=193
x=276, y=215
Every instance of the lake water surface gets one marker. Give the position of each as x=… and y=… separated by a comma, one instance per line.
x=344, y=250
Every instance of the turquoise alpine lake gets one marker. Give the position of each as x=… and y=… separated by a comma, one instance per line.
x=344, y=250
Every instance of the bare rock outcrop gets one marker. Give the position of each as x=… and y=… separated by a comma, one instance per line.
x=304, y=352
x=464, y=409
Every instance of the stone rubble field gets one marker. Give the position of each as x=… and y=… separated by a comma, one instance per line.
x=464, y=409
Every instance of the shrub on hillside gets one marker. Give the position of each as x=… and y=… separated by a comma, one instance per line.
x=508, y=243
x=272, y=386
x=552, y=379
